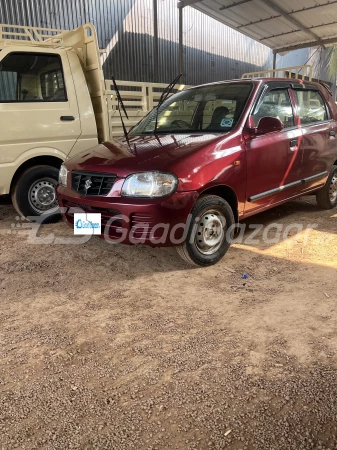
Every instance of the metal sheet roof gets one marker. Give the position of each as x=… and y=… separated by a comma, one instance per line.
x=282, y=25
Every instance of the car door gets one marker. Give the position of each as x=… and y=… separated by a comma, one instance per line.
x=274, y=160
x=319, y=145
x=38, y=106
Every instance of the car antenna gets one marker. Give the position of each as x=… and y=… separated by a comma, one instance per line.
x=166, y=92
x=120, y=105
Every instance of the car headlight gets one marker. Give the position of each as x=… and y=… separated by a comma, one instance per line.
x=63, y=174
x=149, y=184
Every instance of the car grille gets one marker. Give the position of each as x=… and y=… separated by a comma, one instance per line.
x=91, y=183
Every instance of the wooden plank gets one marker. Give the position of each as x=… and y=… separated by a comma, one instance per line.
x=126, y=93
x=146, y=99
x=128, y=103
x=131, y=112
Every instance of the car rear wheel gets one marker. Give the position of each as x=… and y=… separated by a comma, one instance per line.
x=34, y=194
x=208, y=238
x=327, y=196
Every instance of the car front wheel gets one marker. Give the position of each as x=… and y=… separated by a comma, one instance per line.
x=210, y=231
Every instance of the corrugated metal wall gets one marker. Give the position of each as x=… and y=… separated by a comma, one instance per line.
x=316, y=57
x=212, y=51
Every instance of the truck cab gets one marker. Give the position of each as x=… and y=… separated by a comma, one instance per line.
x=52, y=106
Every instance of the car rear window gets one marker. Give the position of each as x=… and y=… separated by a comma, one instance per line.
x=311, y=107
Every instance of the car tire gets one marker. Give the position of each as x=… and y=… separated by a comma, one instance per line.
x=34, y=194
x=207, y=239
x=327, y=196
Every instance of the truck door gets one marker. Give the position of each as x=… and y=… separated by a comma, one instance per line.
x=38, y=107
x=274, y=160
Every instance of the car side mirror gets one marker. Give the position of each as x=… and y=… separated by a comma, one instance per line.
x=267, y=125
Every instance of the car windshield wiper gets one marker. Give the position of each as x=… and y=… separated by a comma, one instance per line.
x=166, y=92
x=120, y=105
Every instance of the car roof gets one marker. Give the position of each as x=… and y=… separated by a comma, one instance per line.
x=306, y=83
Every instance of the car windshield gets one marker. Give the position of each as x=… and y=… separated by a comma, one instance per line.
x=208, y=109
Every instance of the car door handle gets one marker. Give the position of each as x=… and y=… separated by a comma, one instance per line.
x=332, y=133
x=67, y=118
x=293, y=143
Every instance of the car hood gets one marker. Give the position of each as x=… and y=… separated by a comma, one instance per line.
x=142, y=153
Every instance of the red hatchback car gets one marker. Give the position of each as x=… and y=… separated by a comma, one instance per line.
x=208, y=157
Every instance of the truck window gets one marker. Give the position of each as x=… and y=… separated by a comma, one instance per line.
x=52, y=84
x=8, y=86
x=275, y=103
x=29, y=77
x=310, y=106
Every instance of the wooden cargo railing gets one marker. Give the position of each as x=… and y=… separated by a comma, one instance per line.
x=139, y=99
x=302, y=72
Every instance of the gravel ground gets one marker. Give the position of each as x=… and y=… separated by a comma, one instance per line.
x=115, y=347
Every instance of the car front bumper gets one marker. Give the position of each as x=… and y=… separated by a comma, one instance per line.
x=154, y=222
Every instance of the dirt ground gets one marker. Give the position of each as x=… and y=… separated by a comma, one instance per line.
x=116, y=347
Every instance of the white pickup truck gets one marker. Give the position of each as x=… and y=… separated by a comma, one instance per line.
x=53, y=104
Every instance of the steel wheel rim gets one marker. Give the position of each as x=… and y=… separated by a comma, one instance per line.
x=42, y=195
x=210, y=232
x=333, y=188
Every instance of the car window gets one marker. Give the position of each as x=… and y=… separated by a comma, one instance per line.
x=29, y=77
x=276, y=103
x=310, y=106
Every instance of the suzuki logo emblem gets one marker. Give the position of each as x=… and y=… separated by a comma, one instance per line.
x=88, y=184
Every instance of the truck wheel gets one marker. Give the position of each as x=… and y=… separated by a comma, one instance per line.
x=207, y=239
x=34, y=194
x=327, y=196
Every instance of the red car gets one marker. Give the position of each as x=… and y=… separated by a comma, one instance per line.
x=208, y=157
